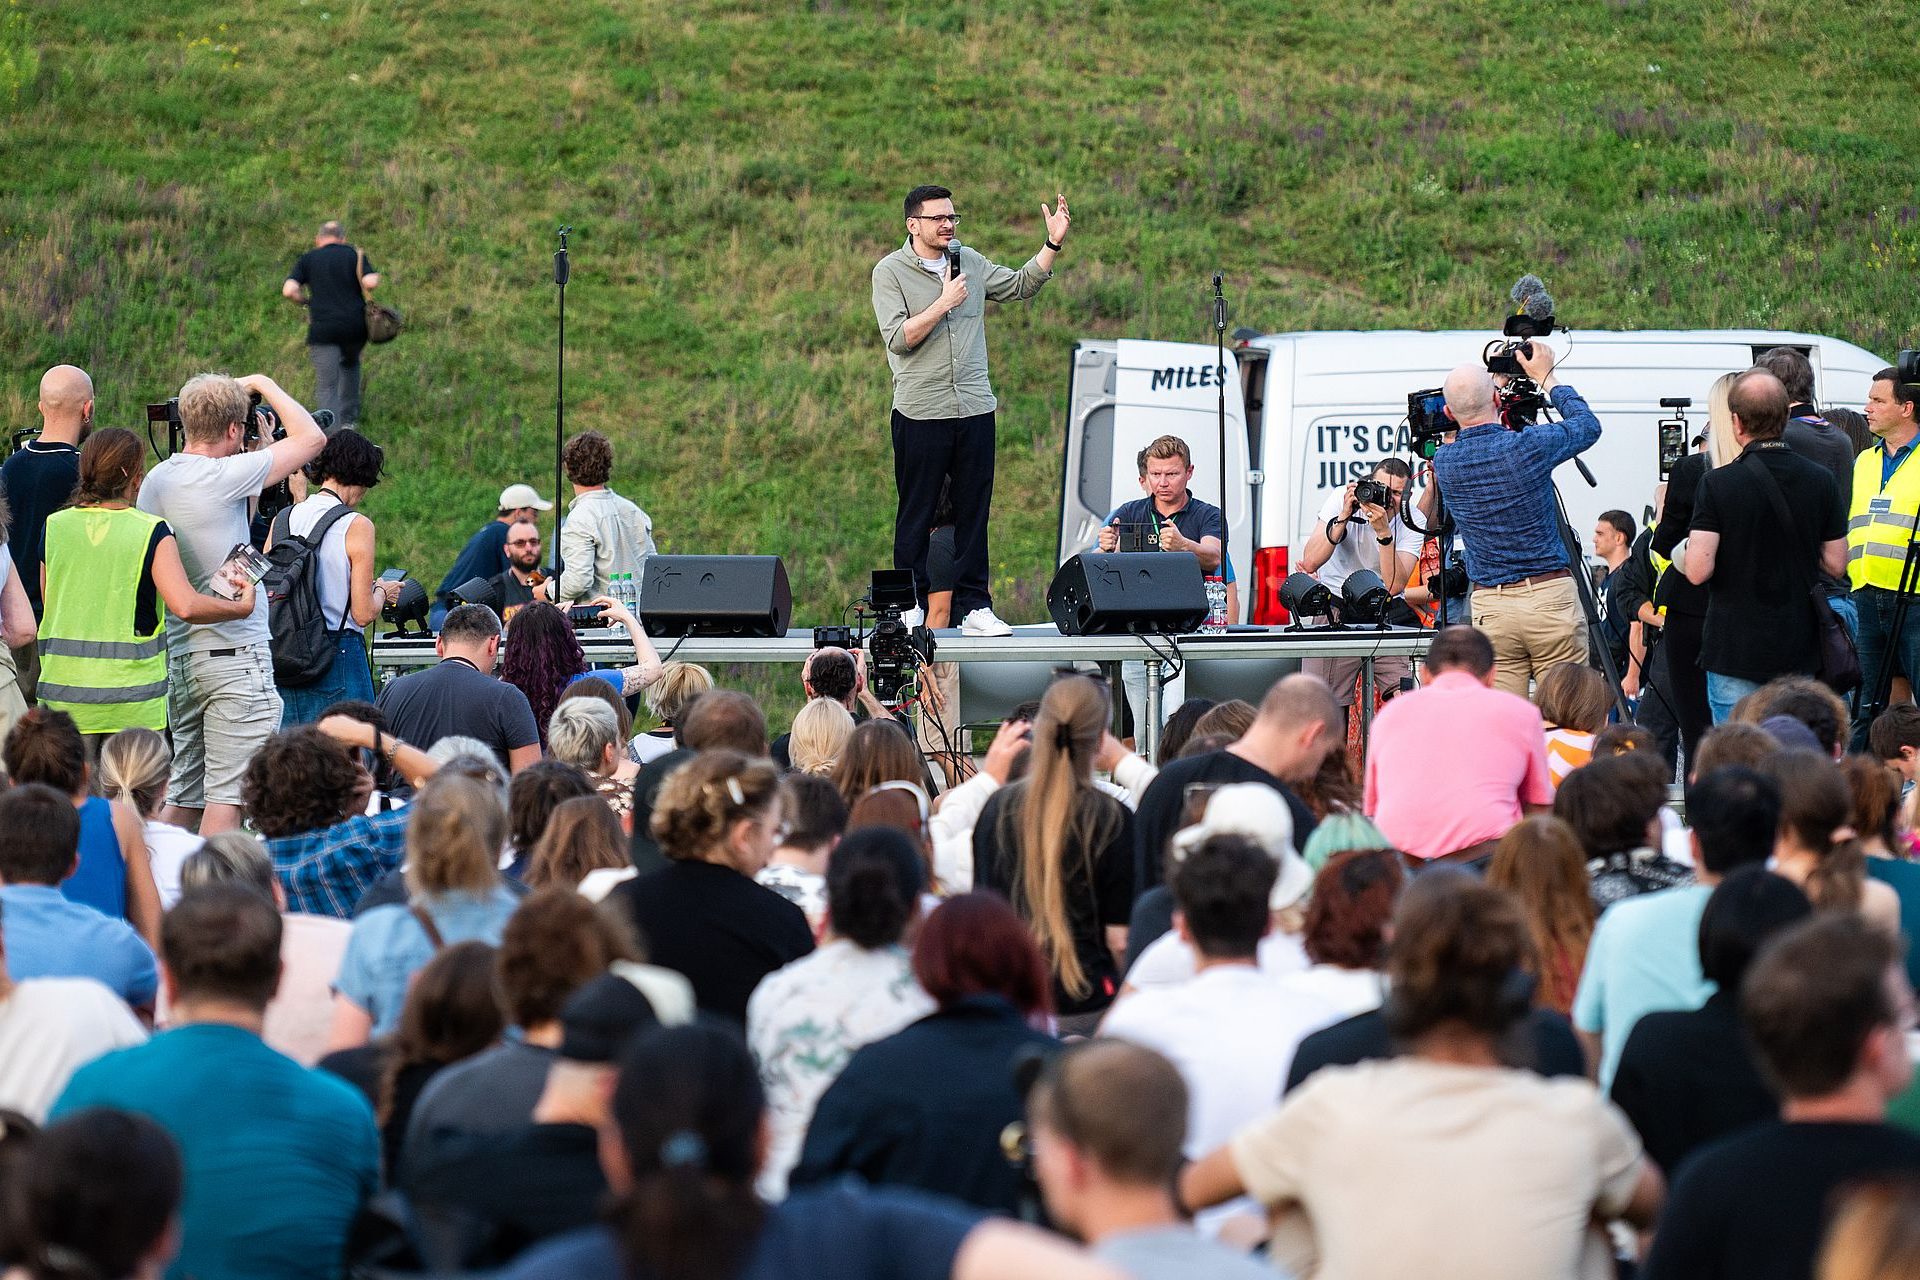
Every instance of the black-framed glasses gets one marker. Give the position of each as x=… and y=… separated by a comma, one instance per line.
x=949, y=219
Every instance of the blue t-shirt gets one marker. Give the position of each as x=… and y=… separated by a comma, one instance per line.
x=100, y=881
x=484, y=555
x=388, y=946
x=50, y=936
x=1644, y=957
x=278, y=1157
x=838, y=1232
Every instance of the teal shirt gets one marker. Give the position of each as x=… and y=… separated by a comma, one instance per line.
x=278, y=1157
x=1644, y=957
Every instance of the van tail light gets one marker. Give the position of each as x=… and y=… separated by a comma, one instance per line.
x=1269, y=572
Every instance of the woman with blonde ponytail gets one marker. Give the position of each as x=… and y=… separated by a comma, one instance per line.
x=1061, y=851
x=820, y=733
x=1817, y=848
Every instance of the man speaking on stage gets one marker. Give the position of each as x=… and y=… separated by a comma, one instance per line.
x=930, y=298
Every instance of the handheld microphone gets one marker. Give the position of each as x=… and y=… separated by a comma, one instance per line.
x=953, y=260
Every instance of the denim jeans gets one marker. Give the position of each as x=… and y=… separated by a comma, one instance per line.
x=1873, y=609
x=347, y=679
x=1724, y=691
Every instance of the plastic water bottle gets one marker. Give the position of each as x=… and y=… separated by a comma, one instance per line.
x=1216, y=606
x=629, y=596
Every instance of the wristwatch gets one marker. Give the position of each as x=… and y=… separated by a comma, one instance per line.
x=1385, y=542
x=1051, y=245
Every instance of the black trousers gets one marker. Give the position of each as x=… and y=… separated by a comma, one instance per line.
x=927, y=454
x=1688, y=679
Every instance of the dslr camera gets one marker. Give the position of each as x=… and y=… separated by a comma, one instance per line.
x=1370, y=493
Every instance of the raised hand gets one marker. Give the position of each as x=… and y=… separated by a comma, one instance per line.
x=1058, y=219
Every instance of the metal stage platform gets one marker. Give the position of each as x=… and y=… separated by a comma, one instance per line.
x=1242, y=661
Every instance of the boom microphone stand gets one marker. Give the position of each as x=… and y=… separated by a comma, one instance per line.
x=562, y=268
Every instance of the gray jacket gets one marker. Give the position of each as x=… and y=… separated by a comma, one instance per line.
x=604, y=534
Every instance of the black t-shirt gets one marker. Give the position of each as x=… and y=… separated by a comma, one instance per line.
x=717, y=927
x=508, y=1191
x=1755, y=1206
x=1099, y=882
x=1673, y=592
x=644, y=850
x=1363, y=1038
x=1688, y=1078
x=455, y=698
x=1615, y=617
x=37, y=481
x=1759, y=618
x=1819, y=441
x=336, y=309
x=1163, y=808
x=513, y=593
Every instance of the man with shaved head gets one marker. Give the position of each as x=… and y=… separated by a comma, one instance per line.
x=38, y=480
x=1498, y=486
x=1764, y=527
x=332, y=281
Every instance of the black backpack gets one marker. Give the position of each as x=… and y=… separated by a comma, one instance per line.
x=303, y=643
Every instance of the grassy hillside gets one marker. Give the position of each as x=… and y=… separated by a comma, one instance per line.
x=732, y=170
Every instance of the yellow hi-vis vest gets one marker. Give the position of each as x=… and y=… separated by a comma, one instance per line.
x=1880, y=522
x=1660, y=566
x=93, y=664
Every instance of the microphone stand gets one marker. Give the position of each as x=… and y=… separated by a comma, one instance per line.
x=1220, y=376
x=562, y=268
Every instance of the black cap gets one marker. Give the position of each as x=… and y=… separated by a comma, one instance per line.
x=598, y=1020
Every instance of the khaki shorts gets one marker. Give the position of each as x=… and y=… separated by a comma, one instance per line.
x=222, y=709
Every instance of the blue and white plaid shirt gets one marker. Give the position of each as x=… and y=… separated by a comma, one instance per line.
x=324, y=872
x=1498, y=485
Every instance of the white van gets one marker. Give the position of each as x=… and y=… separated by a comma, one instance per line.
x=1307, y=412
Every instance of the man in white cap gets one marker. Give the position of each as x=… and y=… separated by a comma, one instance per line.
x=486, y=551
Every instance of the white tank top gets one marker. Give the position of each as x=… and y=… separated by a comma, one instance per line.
x=335, y=581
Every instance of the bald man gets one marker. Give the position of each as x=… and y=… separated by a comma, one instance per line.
x=39, y=479
x=1498, y=486
x=332, y=281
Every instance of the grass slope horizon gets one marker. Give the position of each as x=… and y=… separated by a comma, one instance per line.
x=732, y=171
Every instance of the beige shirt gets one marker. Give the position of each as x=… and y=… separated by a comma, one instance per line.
x=946, y=375
x=1409, y=1168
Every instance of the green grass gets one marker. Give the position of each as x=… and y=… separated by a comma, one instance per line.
x=731, y=172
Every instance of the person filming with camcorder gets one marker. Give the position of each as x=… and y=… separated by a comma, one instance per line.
x=1495, y=473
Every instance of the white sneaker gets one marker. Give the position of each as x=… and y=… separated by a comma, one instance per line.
x=982, y=622
x=915, y=617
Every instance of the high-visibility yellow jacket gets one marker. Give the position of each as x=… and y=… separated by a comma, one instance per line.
x=94, y=665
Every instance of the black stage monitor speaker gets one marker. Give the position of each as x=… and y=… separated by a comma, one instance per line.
x=715, y=596
x=1127, y=592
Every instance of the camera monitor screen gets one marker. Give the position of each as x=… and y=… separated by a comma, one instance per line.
x=891, y=589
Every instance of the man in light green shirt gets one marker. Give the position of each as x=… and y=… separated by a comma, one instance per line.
x=934, y=325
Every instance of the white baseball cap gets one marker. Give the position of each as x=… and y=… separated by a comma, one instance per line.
x=515, y=496
x=1256, y=811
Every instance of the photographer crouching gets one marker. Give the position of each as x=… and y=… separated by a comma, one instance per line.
x=1497, y=484
x=1360, y=529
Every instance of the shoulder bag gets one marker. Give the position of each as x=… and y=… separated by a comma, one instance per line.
x=1838, y=661
x=383, y=322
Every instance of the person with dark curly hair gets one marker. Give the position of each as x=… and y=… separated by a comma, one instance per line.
x=544, y=656
x=605, y=536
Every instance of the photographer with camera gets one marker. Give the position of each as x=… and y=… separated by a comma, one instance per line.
x=221, y=701
x=1498, y=487
x=1360, y=528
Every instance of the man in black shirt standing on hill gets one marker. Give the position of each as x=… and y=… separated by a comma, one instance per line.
x=332, y=280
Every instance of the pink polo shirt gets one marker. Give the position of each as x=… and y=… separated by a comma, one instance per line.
x=1451, y=764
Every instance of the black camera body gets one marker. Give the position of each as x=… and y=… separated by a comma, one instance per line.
x=894, y=652
x=1370, y=493
x=1908, y=365
x=833, y=637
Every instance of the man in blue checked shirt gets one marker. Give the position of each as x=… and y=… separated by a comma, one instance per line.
x=1498, y=486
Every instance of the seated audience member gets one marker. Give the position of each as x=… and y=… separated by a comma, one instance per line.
x=1801, y=698
x=1061, y=851
x=718, y=821
x=1894, y=737
x=51, y=1027
x=99, y=1195
x=485, y=553
x=595, y=685
x=1456, y=805
x=1688, y=1077
x=554, y=944
x=723, y=719
x=1230, y=1029
x=688, y=1112
x=1349, y=917
x=816, y=818
x=278, y=1157
x=902, y=807
x=113, y=875
x=1875, y=1233
x=513, y=586
x=305, y=794
x=1619, y=739
x=1231, y=719
x=451, y=1013
x=1361, y=1164
x=951, y=827
x=1827, y=1009
x=459, y=695
x=878, y=751
x=830, y=675
x=1746, y=745
x=1338, y=833
x=300, y=1015
x=1645, y=952
x=535, y=792
x=1544, y=1039
x=1540, y=862
x=667, y=699
x=1573, y=702
x=134, y=767
x=584, y=733
x=925, y=1107
x=1259, y=813
x=581, y=844
x=1297, y=727
x=1819, y=849
x=1107, y=1122
x=819, y=737
x=1178, y=729
x=49, y=935
x=1886, y=840
x=1333, y=791
x=510, y=1188
x=544, y=656
x=454, y=894
x=806, y=1021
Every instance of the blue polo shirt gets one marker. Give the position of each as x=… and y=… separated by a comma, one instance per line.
x=278, y=1157
x=48, y=936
